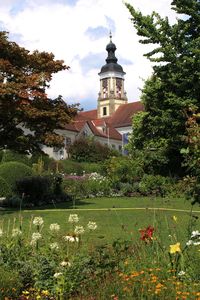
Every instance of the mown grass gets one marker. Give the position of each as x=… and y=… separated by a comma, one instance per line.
x=116, y=217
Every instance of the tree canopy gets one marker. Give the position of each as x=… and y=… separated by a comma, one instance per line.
x=24, y=78
x=175, y=83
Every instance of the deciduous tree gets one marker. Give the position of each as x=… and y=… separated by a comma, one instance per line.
x=24, y=78
x=175, y=83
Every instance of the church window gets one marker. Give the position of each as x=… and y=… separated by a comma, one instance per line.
x=104, y=111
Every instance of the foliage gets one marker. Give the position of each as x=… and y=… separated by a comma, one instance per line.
x=1, y=155
x=12, y=171
x=69, y=166
x=36, y=189
x=123, y=170
x=89, y=150
x=9, y=155
x=152, y=153
x=64, y=265
x=10, y=283
x=24, y=103
x=174, y=85
x=154, y=184
x=4, y=188
x=89, y=185
x=192, y=156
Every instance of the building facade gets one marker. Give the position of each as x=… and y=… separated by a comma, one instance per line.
x=111, y=122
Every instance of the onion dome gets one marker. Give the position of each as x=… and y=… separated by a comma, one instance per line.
x=111, y=60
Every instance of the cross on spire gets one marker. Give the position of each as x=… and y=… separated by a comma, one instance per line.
x=110, y=36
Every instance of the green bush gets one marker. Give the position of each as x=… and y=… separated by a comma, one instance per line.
x=87, y=186
x=154, y=184
x=12, y=171
x=4, y=188
x=89, y=150
x=127, y=189
x=122, y=170
x=9, y=155
x=46, y=161
x=69, y=166
x=10, y=283
x=36, y=189
x=14, y=201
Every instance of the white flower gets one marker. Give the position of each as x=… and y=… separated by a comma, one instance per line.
x=38, y=221
x=65, y=264
x=54, y=227
x=56, y=275
x=72, y=239
x=16, y=232
x=1, y=232
x=195, y=233
x=79, y=230
x=92, y=225
x=73, y=218
x=35, y=237
x=196, y=243
x=181, y=273
x=190, y=242
x=54, y=246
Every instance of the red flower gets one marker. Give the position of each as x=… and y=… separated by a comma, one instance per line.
x=147, y=234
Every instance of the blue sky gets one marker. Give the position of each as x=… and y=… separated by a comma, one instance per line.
x=77, y=31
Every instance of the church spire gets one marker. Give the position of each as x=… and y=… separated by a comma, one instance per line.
x=112, y=93
x=110, y=48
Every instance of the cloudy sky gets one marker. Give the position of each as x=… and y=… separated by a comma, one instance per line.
x=77, y=31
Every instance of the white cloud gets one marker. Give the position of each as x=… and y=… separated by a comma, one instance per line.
x=57, y=27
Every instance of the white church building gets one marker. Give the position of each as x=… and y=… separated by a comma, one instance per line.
x=111, y=122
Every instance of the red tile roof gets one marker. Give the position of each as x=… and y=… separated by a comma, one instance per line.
x=123, y=115
x=75, y=125
x=121, y=118
x=86, y=115
x=110, y=132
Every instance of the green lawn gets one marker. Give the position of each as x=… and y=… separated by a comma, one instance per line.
x=115, y=217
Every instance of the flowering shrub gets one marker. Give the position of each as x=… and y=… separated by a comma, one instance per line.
x=89, y=185
x=58, y=265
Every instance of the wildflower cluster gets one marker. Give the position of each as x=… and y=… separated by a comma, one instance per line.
x=38, y=221
x=73, y=218
x=54, y=227
x=70, y=238
x=35, y=237
x=16, y=232
x=97, y=177
x=194, y=239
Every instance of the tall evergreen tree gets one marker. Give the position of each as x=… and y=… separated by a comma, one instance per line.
x=24, y=77
x=174, y=85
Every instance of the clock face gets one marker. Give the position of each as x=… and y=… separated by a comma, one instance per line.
x=119, y=83
x=105, y=83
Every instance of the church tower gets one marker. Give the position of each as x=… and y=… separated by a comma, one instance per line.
x=112, y=93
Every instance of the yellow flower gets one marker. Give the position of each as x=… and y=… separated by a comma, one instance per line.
x=175, y=248
x=45, y=292
x=175, y=219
